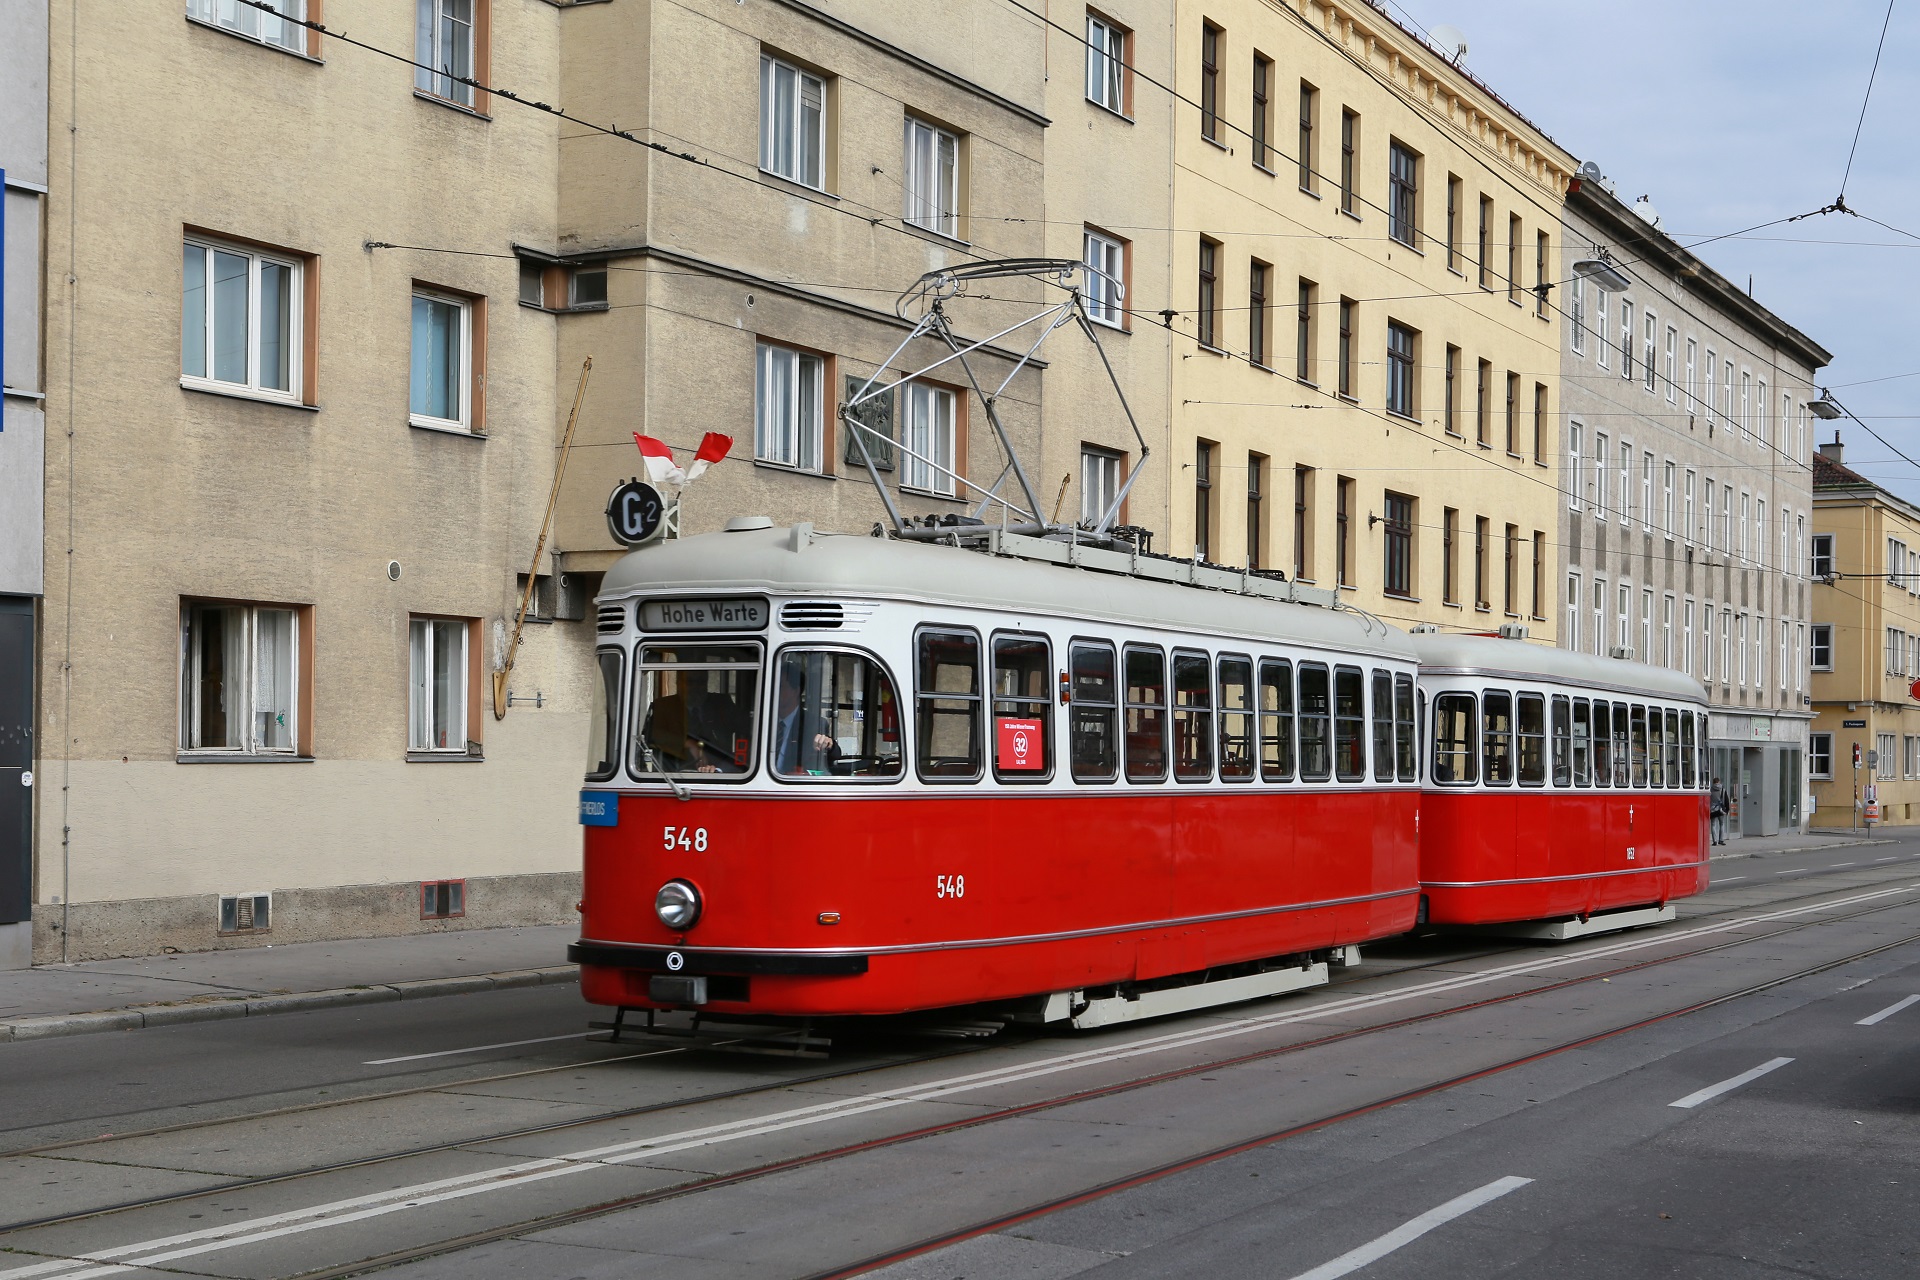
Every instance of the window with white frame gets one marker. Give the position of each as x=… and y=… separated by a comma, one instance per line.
x=1666, y=631
x=1693, y=385
x=1626, y=481
x=933, y=178
x=1577, y=317
x=1746, y=525
x=1646, y=491
x=1666, y=499
x=1783, y=667
x=1622, y=618
x=1896, y=562
x=1106, y=65
x=1106, y=260
x=1896, y=650
x=441, y=380
x=787, y=420
x=1599, y=630
x=1884, y=763
x=1601, y=339
x=1760, y=641
x=1688, y=527
x=239, y=674
x=793, y=123
x=929, y=433
x=1741, y=621
x=1706, y=642
x=1099, y=482
x=1706, y=388
x=1726, y=518
x=1686, y=635
x=1600, y=465
x=1575, y=466
x=1673, y=372
x=1726, y=646
x=437, y=685
x=1821, y=565
x=443, y=46
x=1799, y=657
x=1763, y=416
x=1646, y=652
x=1571, y=640
x=240, y=319
x=1760, y=532
x=1626, y=338
x=1820, y=646
x=256, y=24
x=1820, y=755
x=1787, y=563
x=1649, y=371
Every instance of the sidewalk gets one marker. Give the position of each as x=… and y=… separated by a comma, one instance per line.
x=1794, y=842
x=152, y=991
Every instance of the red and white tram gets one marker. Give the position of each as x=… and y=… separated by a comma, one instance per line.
x=841, y=775
x=1561, y=788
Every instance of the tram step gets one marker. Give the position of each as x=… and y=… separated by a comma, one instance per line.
x=1566, y=930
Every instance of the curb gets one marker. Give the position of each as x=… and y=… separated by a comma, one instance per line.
x=48, y=1026
x=1803, y=848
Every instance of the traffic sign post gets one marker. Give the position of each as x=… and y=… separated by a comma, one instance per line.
x=636, y=513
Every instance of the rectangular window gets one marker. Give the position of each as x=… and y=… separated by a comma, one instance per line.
x=1689, y=517
x=1570, y=629
x=1303, y=333
x=1666, y=499
x=1480, y=533
x=239, y=678
x=1401, y=355
x=1316, y=723
x=1022, y=708
x=1276, y=720
x=1513, y=259
x=1540, y=423
x=1666, y=631
x=787, y=413
x=1347, y=381
x=1646, y=492
x=1450, y=412
x=1303, y=523
x=793, y=123
x=1672, y=372
x=1349, y=725
x=695, y=705
x=1600, y=464
x=1689, y=760
x=1450, y=556
x=1692, y=374
x=1482, y=404
x=1530, y=737
x=1146, y=708
x=1456, y=754
x=1626, y=339
x=1406, y=751
x=930, y=457
x=1403, y=194
x=1234, y=701
x=1601, y=341
x=443, y=46
x=1513, y=415
x=1210, y=41
x=1820, y=643
x=1309, y=113
x=1343, y=530
x=1509, y=596
x=1486, y=242
x=1106, y=260
x=1539, y=573
x=1496, y=740
x=1686, y=635
x=1207, y=309
x=1646, y=652
x=1349, y=160
x=1648, y=374
x=1099, y=483
x=932, y=178
x=1626, y=474
x=1262, y=111
x=1540, y=274
x=1453, y=223
x=437, y=685
x=1093, y=714
x=1582, y=744
x=441, y=378
x=1203, y=499
x=1656, y=748
x=240, y=319
x=1820, y=755
x=256, y=24
x=947, y=696
x=1821, y=563
x=1106, y=65
x=1256, y=514
x=1884, y=767
x=1258, y=273
x=1639, y=743
x=1577, y=316
x=1383, y=746
x=1399, y=544
x=1603, y=753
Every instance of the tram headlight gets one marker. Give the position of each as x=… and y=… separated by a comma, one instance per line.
x=677, y=904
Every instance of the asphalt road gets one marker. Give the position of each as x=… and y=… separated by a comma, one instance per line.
x=1452, y=1107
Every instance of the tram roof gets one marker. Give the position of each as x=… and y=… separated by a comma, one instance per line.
x=1491, y=655
x=862, y=566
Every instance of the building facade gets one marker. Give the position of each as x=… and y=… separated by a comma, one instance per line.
x=1688, y=492
x=1864, y=746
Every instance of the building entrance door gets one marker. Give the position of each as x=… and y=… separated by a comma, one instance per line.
x=16, y=760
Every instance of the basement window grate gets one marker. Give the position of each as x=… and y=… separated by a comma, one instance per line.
x=612, y=618
x=443, y=899
x=246, y=912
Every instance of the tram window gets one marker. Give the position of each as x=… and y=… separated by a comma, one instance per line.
x=1022, y=708
x=1673, y=748
x=1582, y=744
x=1602, y=744
x=1639, y=722
x=1146, y=714
x=1276, y=720
x=947, y=705
x=694, y=705
x=1454, y=750
x=1689, y=774
x=1496, y=741
x=1621, y=774
x=1406, y=754
x=1093, y=714
x=1316, y=724
x=1192, y=718
x=1349, y=725
x=603, y=755
x=1382, y=726
x=1236, y=719
x=1562, y=742
x=1656, y=749
x=1705, y=775
x=834, y=716
x=1532, y=740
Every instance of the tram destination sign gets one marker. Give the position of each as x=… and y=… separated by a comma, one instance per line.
x=739, y=613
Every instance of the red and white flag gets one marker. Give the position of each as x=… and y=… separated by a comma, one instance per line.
x=661, y=468
x=713, y=447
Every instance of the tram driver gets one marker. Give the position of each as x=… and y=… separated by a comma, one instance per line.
x=801, y=743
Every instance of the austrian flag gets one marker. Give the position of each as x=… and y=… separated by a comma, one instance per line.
x=662, y=469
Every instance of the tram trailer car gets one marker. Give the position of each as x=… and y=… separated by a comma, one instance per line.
x=845, y=775
x=1560, y=787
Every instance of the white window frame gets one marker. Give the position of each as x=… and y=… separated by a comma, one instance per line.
x=1666, y=498
x=249, y=23
x=296, y=321
x=1650, y=375
x=788, y=425
x=419, y=703
x=1820, y=639
x=1666, y=630
x=1601, y=461
x=1626, y=482
x=1575, y=466
x=1784, y=667
x=1819, y=562
x=431, y=20
x=1646, y=653
x=1599, y=616
x=1687, y=656
x=1689, y=507
x=1883, y=766
x=1706, y=642
x=1693, y=377
x=1726, y=645
x=929, y=428
x=1626, y=338
x=1106, y=260
x=932, y=178
x=1571, y=640
x=1577, y=317
x=807, y=147
x=1761, y=640
x=1601, y=340
x=1102, y=472
x=1760, y=532
x=1706, y=509
x=1820, y=755
x=1646, y=491
x=1623, y=616
x=1706, y=387
x=464, y=422
x=1673, y=371
x=248, y=683
x=1106, y=65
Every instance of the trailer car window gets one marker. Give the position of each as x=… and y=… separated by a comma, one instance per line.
x=947, y=705
x=694, y=706
x=1496, y=741
x=1705, y=776
x=1689, y=774
x=1406, y=754
x=1639, y=722
x=1602, y=743
x=1022, y=708
x=1455, y=752
x=1562, y=742
x=1656, y=749
x=1146, y=714
x=1349, y=725
x=1673, y=748
x=1192, y=718
x=1382, y=725
x=1236, y=719
x=1622, y=775
x=834, y=716
x=603, y=723
x=1276, y=720
x=1093, y=714
x=1531, y=739
x=1316, y=724
x=1582, y=744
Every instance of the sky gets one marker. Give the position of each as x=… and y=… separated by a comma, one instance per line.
x=1731, y=113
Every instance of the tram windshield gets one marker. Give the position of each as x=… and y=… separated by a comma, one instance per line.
x=834, y=716
x=694, y=705
x=603, y=752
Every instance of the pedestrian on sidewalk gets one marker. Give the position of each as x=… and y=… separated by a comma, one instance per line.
x=1717, y=812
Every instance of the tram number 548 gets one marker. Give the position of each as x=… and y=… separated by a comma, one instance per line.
x=694, y=838
x=949, y=886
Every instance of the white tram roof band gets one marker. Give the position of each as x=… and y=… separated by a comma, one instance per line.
x=1488, y=657
x=861, y=566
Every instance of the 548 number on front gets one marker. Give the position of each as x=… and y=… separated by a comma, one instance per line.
x=949, y=886
x=694, y=838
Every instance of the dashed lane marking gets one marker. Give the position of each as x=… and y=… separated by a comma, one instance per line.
x=1888, y=1012
x=1404, y=1235
x=1713, y=1091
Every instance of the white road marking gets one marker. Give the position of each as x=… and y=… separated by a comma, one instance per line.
x=1402, y=1236
x=1713, y=1091
x=478, y=1048
x=1888, y=1012
x=374, y=1204
x=1832, y=865
x=1727, y=879
x=1796, y=871
x=1892, y=859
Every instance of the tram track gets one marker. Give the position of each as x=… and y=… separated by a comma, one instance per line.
x=1870, y=904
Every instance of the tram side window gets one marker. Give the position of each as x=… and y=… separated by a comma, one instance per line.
x=1532, y=740
x=1656, y=749
x=835, y=716
x=1349, y=725
x=1602, y=743
x=947, y=705
x=1639, y=722
x=1316, y=724
x=1621, y=761
x=1146, y=714
x=1689, y=773
x=1093, y=714
x=1673, y=748
x=1582, y=744
x=1701, y=738
x=1496, y=742
x=603, y=755
x=1236, y=719
x=1562, y=741
x=1382, y=726
x=1192, y=718
x=1454, y=750
x=1276, y=720
x=1022, y=708
x=1406, y=754
x=694, y=705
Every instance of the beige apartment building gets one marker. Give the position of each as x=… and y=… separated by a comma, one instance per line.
x=1366, y=350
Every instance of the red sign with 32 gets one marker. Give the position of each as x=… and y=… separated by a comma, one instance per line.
x=1020, y=747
